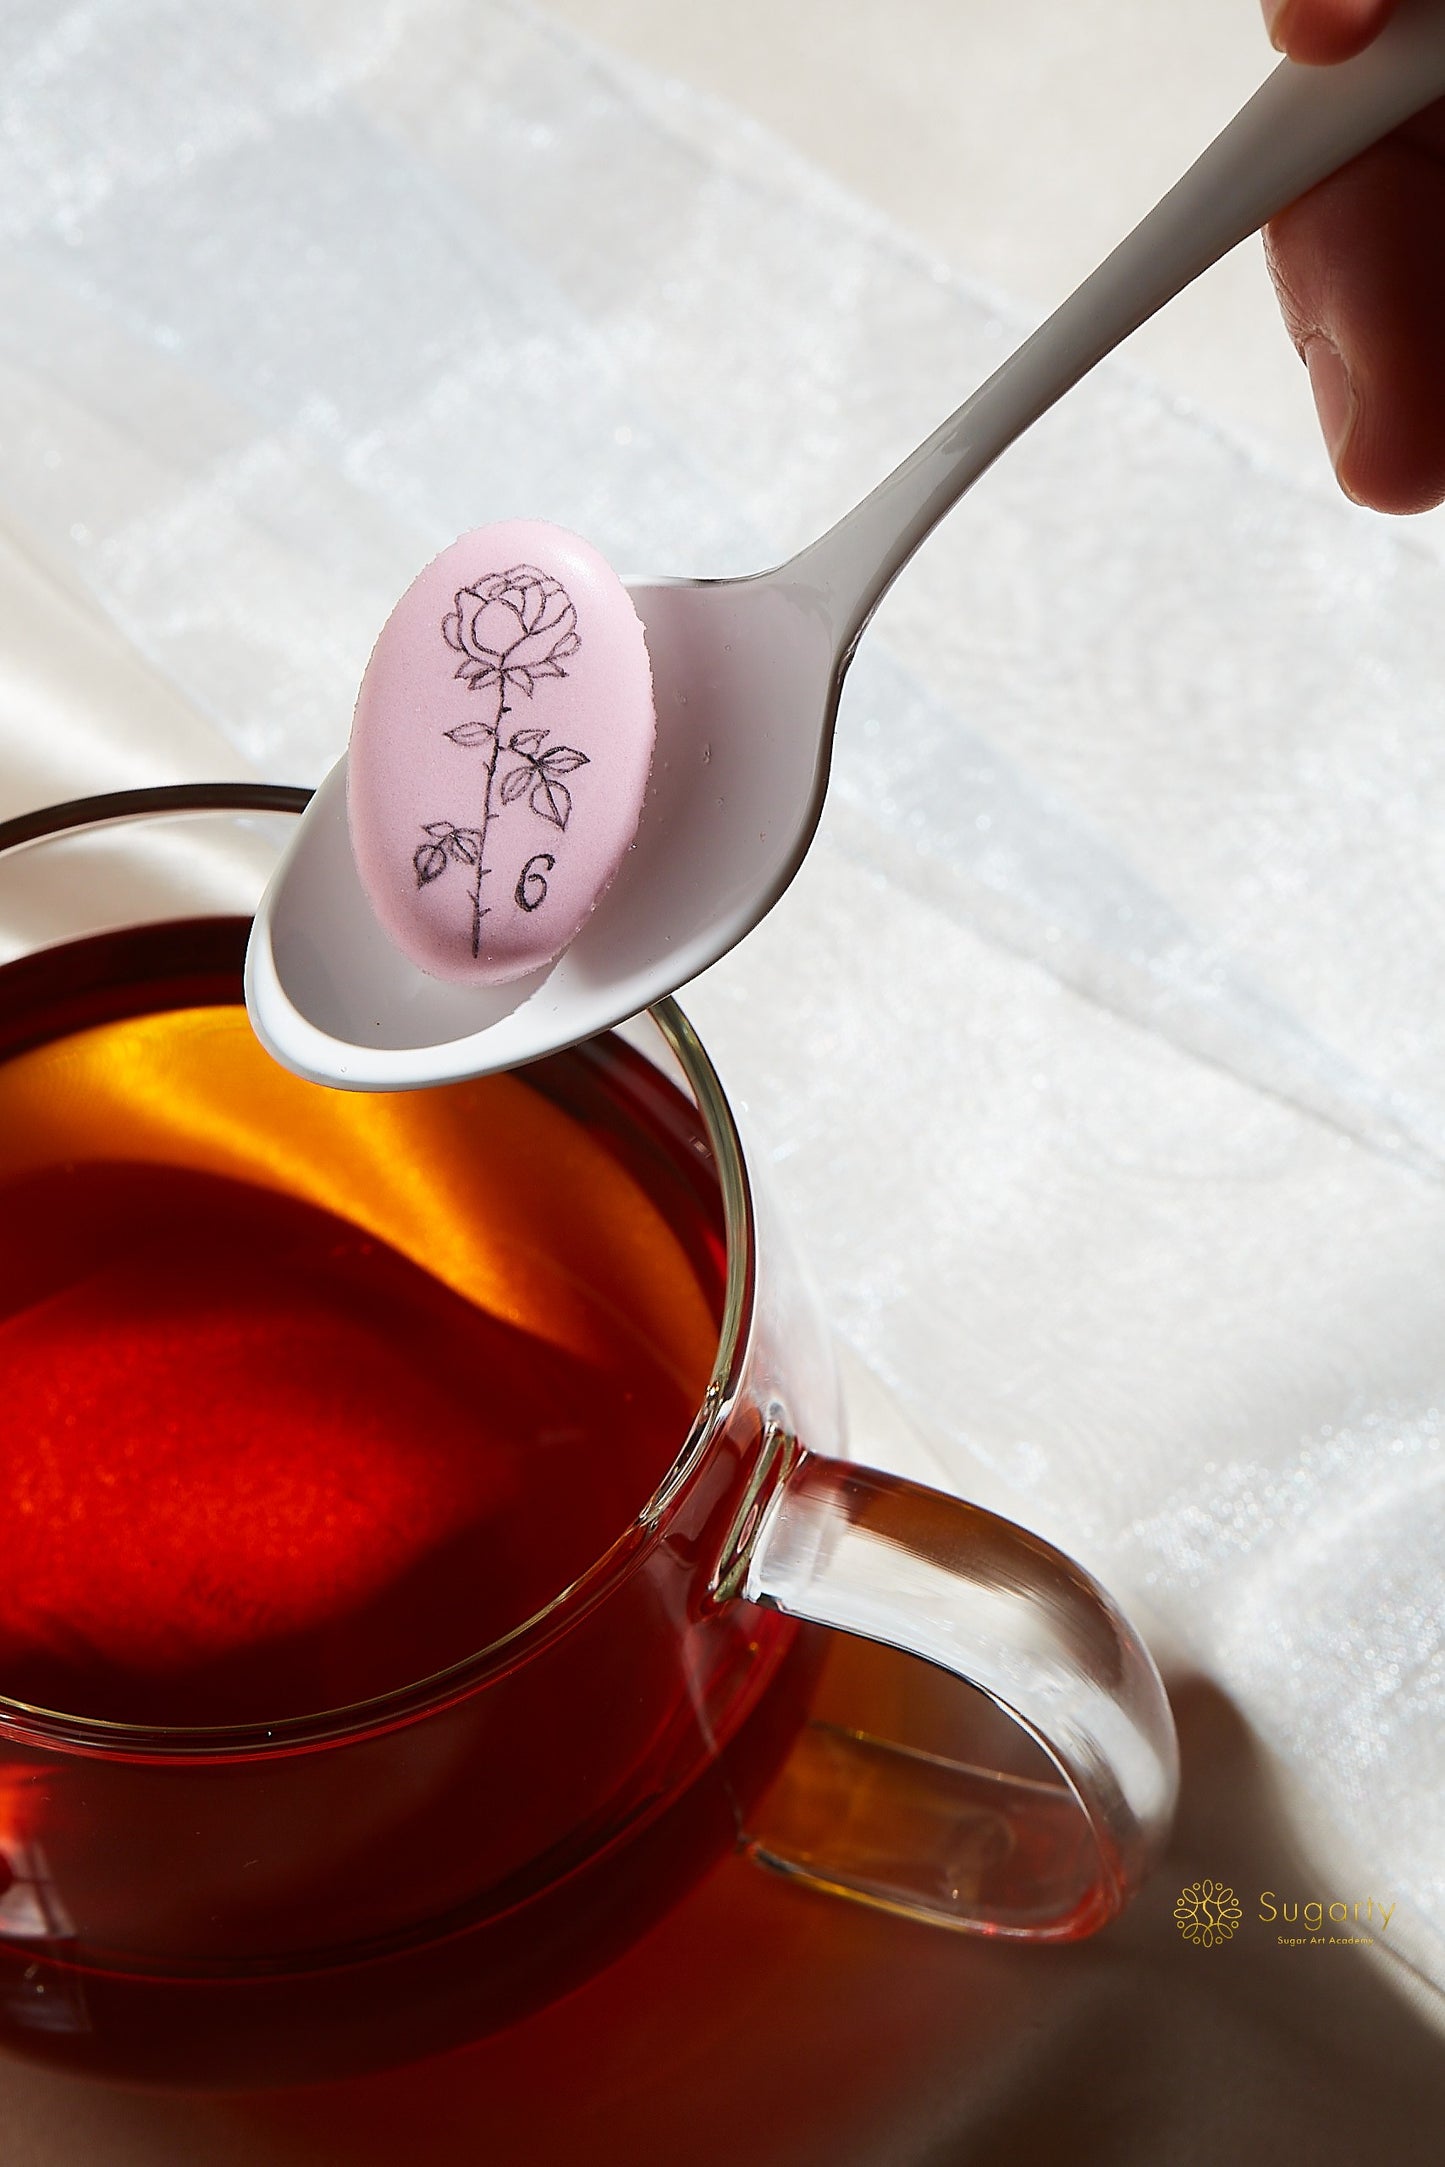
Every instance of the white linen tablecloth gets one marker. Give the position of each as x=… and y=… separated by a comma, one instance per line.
x=1098, y=1051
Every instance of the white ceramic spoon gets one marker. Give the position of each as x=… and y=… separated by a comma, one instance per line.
x=747, y=671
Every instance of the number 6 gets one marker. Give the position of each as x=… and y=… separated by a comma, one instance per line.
x=531, y=889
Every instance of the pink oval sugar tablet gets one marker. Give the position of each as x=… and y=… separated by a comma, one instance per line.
x=500, y=752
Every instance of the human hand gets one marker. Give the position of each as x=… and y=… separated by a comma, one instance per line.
x=1359, y=267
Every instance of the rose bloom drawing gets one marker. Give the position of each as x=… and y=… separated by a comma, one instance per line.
x=511, y=629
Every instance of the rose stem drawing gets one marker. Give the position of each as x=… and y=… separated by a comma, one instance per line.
x=511, y=629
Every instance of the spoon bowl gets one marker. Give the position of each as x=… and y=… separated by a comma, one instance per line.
x=747, y=672
x=734, y=796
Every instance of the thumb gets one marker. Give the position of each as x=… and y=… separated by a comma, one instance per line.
x=1359, y=265
x=1319, y=31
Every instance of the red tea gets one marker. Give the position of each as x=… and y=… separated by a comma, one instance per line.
x=309, y=1396
x=261, y=1457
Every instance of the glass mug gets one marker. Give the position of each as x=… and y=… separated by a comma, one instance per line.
x=257, y=1894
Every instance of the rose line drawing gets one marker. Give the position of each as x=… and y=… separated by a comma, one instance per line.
x=513, y=630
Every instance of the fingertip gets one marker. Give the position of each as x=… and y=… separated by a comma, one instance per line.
x=1357, y=263
x=1383, y=471
x=1321, y=32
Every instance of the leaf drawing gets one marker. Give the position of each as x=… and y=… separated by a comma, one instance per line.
x=553, y=801
x=562, y=760
x=472, y=734
x=460, y=846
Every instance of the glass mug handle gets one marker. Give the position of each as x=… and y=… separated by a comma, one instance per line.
x=971, y=1847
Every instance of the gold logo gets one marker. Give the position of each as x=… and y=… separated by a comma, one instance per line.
x=1207, y=1912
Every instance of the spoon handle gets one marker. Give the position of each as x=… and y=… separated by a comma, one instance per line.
x=1298, y=128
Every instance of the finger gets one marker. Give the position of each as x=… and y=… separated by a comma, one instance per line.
x=1318, y=31
x=1359, y=266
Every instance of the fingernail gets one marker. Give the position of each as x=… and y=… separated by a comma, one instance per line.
x=1334, y=396
x=1275, y=12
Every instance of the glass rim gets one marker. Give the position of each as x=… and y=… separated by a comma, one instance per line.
x=98, y=1737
